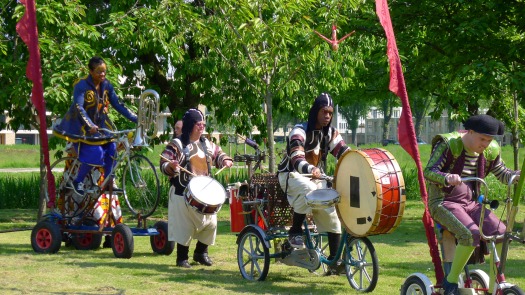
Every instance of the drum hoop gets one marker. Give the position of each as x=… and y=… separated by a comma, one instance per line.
x=371, y=163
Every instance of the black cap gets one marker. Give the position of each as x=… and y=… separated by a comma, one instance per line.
x=485, y=124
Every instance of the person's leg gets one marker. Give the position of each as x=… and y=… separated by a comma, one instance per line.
x=89, y=156
x=110, y=150
x=182, y=256
x=200, y=254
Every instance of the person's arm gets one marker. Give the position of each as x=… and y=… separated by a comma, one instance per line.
x=433, y=171
x=296, y=152
x=502, y=173
x=79, y=93
x=119, y=107
x=171, y=157
x=337, y=145
x=219, y=157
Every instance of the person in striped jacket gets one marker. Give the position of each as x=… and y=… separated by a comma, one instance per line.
x=307, y=147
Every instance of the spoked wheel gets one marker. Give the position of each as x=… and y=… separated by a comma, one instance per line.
x=159, y=243
x=320, y=242
x=67, y=202
x=513, y=290
x=361, y=265
x=480, y=282
x=46, y=237
x=141, y=186
x=122, y=244
x=414, y=286
x=88, y=240
x=253, y=256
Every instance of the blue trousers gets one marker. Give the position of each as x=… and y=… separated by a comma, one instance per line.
x=95, y=155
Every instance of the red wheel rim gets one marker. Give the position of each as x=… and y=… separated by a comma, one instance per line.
x=160, y=240
x=85, y=239
x=118, y=242
x=44, y=238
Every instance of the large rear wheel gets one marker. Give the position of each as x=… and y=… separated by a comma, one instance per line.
x=159, y=243
x=141, y=186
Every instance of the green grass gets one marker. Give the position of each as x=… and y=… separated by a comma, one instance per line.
x=72, y=271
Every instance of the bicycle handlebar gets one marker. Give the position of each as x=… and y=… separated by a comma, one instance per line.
x=116, y=132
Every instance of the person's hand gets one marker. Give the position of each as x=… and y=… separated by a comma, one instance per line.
x=228, y=163
x=93, y=129
x=316, y=173
x=453, y=179
x=174, y=165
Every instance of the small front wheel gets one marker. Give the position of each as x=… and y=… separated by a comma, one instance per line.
x=122, y=244
x=361, y=264
x=159, y=243
x=513, y=290
x=253, y=256
x=414, y=286
x=141, y=186
x=46, y=237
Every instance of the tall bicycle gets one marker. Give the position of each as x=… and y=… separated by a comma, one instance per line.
x=77, y=219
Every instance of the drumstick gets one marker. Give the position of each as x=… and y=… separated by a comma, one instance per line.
x=220, y=170
x=180, y=167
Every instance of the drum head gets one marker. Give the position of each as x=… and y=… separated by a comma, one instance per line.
x=207, y=190
x=322, y=198
x=365, y=187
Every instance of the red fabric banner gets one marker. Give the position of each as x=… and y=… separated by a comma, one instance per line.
x=406, y=132
x=28, y=31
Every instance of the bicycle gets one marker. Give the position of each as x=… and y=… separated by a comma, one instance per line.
x=72, y=219
x=264, y=196
x=476, y=279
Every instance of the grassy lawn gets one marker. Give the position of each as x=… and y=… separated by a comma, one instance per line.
x=72, y=271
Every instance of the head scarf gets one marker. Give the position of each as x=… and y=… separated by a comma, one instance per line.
x=189, y=119
x=485, y=124
x=323, y=100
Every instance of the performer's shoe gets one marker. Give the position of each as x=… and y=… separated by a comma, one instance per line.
x=78, y=187
x=296, y=241
x=450, y=288
x=203, y=259
x=184, y=263
x=336, y=269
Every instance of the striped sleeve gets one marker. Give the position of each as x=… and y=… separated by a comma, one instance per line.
x=297, y=155
x=337, y=144
x=171, y=152
x=501, y=172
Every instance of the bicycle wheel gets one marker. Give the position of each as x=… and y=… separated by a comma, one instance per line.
x=361, y=265
x=251, y=252
x=513, y=290
x=320, y=242
x=141, y=186
x=479, y=283
x=67, y=202
x=414, y=286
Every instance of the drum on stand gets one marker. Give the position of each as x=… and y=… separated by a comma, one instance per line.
x=372, y=191
x=205, y=194
x=322, y=198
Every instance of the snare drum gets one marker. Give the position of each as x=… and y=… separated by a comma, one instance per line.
x=205, y=194
x=322, y=198
x=372, y=191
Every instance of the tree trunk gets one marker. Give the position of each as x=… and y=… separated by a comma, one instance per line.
x=43, y=186
x=269, y=128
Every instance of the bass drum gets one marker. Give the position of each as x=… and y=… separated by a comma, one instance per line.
x=372, y=192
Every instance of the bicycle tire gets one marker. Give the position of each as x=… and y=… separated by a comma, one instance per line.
x=141, y=186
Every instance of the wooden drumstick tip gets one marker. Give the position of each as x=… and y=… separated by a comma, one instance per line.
x=180, y=167
x=220, y=170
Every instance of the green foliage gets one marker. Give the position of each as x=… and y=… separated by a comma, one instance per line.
x=19, y=190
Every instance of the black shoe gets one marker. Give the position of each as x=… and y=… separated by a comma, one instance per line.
x=107, y=242
x=336, y=269
x=202, y=259
x=450, y=288
x=184, y=263
x=78, y=187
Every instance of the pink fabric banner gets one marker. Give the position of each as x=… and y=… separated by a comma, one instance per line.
x=28, y=31
x=406, y=132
